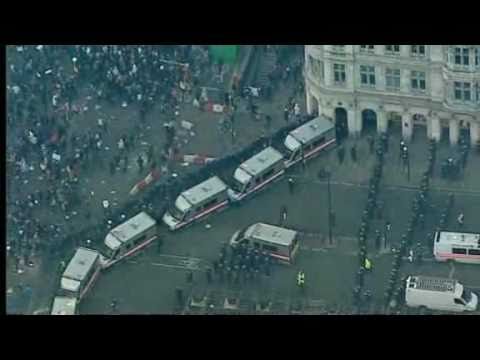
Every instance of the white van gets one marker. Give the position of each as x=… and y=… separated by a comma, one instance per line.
x=129, y=237
x=64, y=306
x=196, y=203
x=255, y=173
x=439, y=294
x=456, y=246
x=309, y=140
x=80, y=274
x=280, y=243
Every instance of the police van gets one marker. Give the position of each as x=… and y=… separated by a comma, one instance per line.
x=128, y=238
x=280, y=243
x=257, y=172
x=308, y=140
x=196, y=203
x=439, y=294
x=64, y=306
x=80, y=273
x=456, y=246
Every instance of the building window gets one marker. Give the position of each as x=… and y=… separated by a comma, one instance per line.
x=314, y=66
x=339, y=74
x=418, y=50
x=477, y=56
x=462, y=56
x=367, y=75
x=418, y=80
x=367, y=48
x=462, y=91
x=393, y=79
x=477, y=90
x=392, y=49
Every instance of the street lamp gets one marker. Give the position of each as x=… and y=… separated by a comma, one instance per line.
x=330, y=214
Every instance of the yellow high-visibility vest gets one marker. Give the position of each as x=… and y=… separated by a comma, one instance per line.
x=301, y=278
x=368, y=264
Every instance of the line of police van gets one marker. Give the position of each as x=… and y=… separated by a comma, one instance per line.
x=214, y=195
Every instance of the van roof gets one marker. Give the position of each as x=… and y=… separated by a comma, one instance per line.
x=64, y=306
x=432, y=283
x=261, y=161
x=204, y=190
x=312, y=129
x=133, y=226
x=270, y=233
x=457, y=238
x=80, y=264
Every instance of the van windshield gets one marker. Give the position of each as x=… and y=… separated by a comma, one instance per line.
x=466, y=295
x=177, y=214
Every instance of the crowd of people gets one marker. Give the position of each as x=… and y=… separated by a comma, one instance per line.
x=44, y=86
x=46, y=90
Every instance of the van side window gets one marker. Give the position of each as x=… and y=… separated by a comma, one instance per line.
x=459, y=301
x=140, y=239
x=473, y=252
x=270, y=248
x=459, y=251
x=128, y=246
x=268, y=174
x=210, y=203
x=319, y=141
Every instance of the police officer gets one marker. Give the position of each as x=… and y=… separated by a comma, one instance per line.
x=209, y=275
x=368, y=265
x=378, y=240
x=189, y=277
x=341, y=154
x=301, y=279
x=291, y=185
x=353, y=153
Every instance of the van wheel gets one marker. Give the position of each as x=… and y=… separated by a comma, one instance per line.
x=422, y=310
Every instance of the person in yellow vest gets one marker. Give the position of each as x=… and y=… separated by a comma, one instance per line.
x=301, y=279
x=368, y=265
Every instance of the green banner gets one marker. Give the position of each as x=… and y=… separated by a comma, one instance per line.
x=226, y=53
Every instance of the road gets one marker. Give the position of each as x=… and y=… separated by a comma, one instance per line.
x=329, y=271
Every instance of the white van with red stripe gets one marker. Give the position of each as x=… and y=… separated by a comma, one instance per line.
x=256, y=173
x=456, y=246
x=196, y=203
x=280, y=243
x=80, y=273
x=128, y=238
x=309, y=140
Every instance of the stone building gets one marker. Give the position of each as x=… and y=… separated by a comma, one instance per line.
x=418, y=88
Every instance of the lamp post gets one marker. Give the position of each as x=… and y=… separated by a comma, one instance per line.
x=330, y=214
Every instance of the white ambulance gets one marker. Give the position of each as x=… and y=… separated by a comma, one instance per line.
x=456, y=246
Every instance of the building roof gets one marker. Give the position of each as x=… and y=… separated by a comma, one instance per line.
x=259, y=162
x=312, y=129
x=204, y=190
x=64, y=306
x=80, y=264
x=137, y=224
x=469, y=239
x=270, y=233
x=432, y=283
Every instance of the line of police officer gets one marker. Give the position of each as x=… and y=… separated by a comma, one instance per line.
x=241, y=264
x=394, y=295
x=367, y=216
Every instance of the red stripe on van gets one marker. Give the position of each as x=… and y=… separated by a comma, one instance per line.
x=142, y=245
x=311, y=152
x=449, y=255
x=90, y=283
x=203, y=213
x=262, y=184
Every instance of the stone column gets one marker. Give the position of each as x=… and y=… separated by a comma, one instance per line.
x=310, y=101
x=435, y=130
x=475, y=131
x=353, y=120
x=453, y=131
x=407, y=126
x=382, y=123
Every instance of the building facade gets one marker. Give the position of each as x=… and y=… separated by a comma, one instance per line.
x=430, y=88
